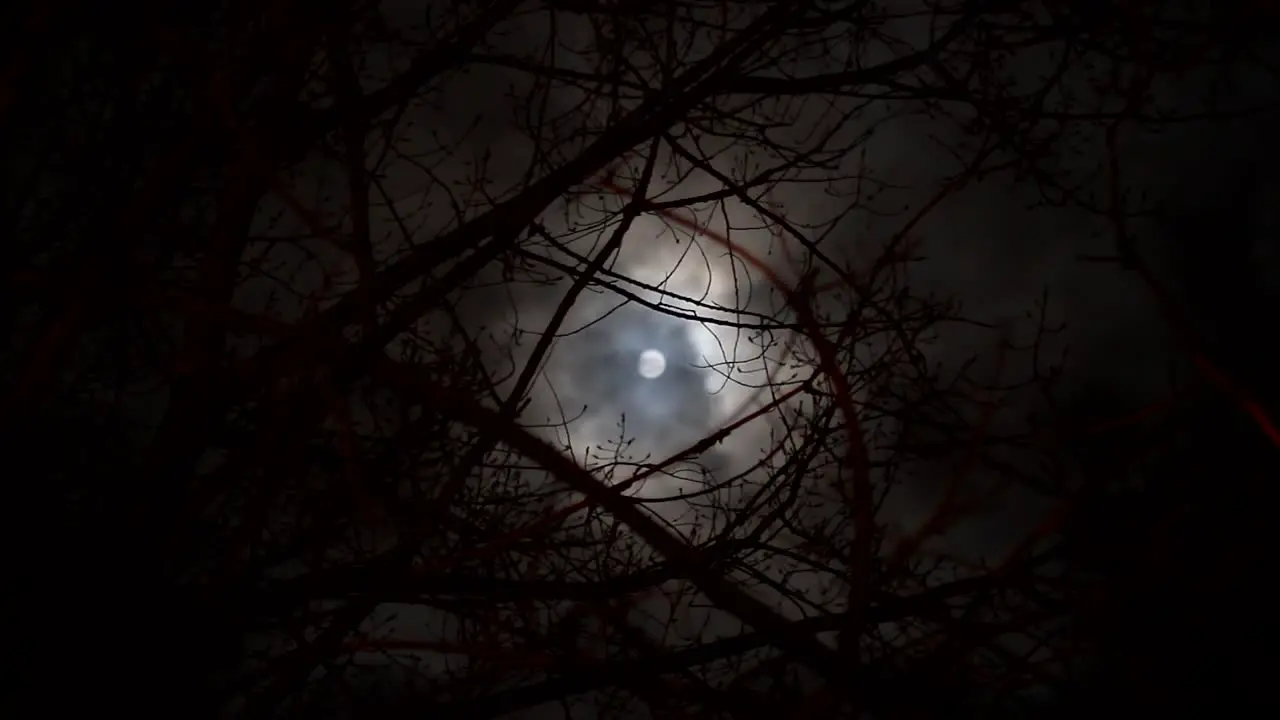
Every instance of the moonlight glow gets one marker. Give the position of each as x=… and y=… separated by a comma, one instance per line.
x=652, y=364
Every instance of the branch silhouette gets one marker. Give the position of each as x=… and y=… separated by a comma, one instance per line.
x=322, y=319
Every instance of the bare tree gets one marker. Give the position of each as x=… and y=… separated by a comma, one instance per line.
x=325, y=318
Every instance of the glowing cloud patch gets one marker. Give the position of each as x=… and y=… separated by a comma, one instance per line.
x=652, y=364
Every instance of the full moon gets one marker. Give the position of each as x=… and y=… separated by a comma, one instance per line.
x=651, y=364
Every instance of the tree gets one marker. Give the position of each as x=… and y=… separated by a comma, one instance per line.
x=319, y=297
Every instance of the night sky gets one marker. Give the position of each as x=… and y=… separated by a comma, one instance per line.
x=326, y=324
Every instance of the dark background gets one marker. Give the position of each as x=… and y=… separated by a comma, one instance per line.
x=102, y=614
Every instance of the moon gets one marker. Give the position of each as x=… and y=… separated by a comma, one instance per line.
x=652, y=364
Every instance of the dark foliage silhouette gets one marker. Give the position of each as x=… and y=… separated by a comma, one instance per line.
x=322, y=319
